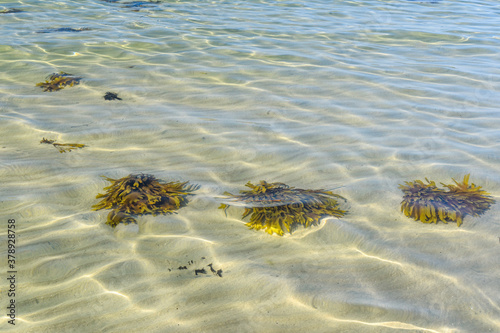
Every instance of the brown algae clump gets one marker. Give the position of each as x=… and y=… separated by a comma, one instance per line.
x=141, y=194
x=58, y=81
x=277, y=208
x=63, y=147
x=111, y=96
x=430, y=204
x=11, y=10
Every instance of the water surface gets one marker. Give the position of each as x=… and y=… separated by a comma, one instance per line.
x=359, y=96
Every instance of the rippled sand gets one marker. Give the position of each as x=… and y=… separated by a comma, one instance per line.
x=353, y=96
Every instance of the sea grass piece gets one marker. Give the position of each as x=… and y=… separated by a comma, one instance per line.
x=11, y=10
x=110, y=96
x=429, y=204
x=64, y=29
x=141, y=194
x=63, y=147
x=279, y=208
x=471, y=199
x=58, y=81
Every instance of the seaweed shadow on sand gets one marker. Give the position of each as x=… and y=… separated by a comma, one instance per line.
x=279, y=208
x=142, y=194
x=430, y=204
x=111, y=96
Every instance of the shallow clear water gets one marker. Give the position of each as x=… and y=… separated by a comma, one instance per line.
x=359, y=96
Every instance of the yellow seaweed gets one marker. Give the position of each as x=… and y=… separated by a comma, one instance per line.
x=429, y=204
x=67, y=147
x=141, y=194
x=278, y=208
x=63, y=147
x=58, y=81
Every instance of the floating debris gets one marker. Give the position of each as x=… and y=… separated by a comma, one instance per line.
x=197, y=271
x=49, y=30
x=47, y=141
x=63, y=147
x=142, y=194
x=212, y=269
x=140, y=4
x=430, y=204
x=215, y=272
x=277, y=208
x=58, y=81
x=11, y=10
x=110, y=96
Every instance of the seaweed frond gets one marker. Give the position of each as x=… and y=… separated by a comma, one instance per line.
x=65, y=29
x=58, y=81
x=429, y=204
x=63, y=147
x=279, y=208
x=110, y=96
x=471, y=199
x=67, y=147
x=141, y=194
x=47, y=141
x=11, y=10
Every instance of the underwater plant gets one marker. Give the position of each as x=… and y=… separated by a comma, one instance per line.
x=109, y=96
x=63, y=147
x=47, y=141
x=139, y=4
x=430, y=204
x=141, y=194
x=58, y=81
x=277, y=207
x=49, y=30
x=11, y=10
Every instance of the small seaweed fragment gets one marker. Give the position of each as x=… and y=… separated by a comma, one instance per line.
x=215, y=272
x=65, y=29
x=110, y=96
x=200, y=271
x=63, y=147
x=47, y=141
x=212, y=269
x=11, y=10
x=58, y=81
x=277, y=208
x=430, y=204
x=67, y=147
x=141, y=194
